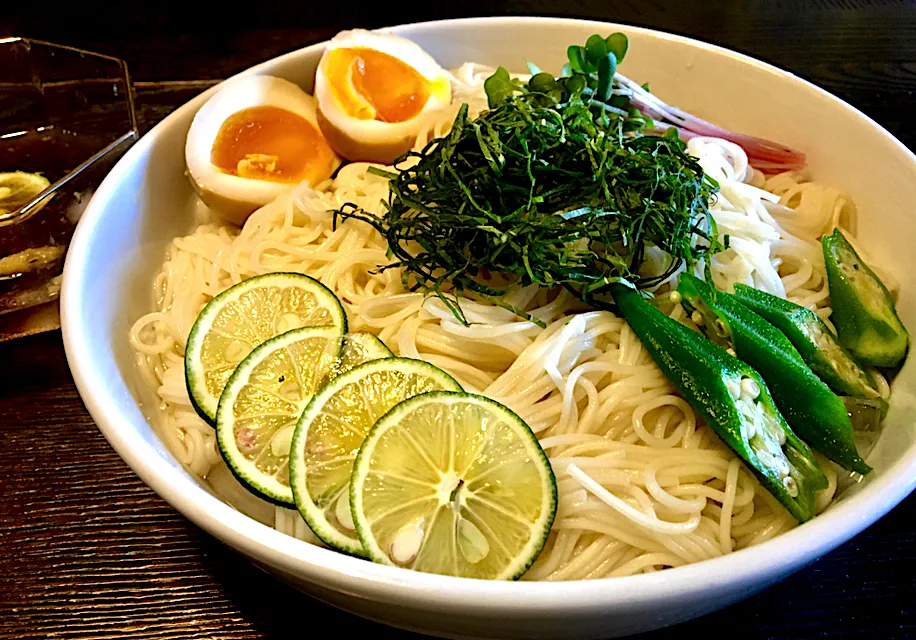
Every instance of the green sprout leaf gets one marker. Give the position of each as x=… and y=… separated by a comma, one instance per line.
x=499, y=87
x=595, y=50
x=544, y=83
x=618, y=43
x=607, y=66
x=575, y=84
x=577, y=60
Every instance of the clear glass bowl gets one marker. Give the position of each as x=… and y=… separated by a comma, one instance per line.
x=68, y=115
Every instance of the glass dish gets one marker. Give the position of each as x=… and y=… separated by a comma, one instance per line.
x=68, y=115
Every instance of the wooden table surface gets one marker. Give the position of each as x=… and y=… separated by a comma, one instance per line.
x=88, y=551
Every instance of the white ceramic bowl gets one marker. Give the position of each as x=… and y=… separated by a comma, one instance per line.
x=146, y=201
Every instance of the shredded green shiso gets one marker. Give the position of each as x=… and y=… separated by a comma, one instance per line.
x=555, y=185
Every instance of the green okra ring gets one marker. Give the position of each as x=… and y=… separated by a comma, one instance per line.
x=864, y=313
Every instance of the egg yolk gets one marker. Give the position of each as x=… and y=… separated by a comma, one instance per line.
x=270, y=143
x=371, y=85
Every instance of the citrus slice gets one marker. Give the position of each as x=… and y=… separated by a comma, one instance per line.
x=358, y=348
x=242, y=317
x=331, y=430
x=18, y=188
x=455, y=484
x=262, y=401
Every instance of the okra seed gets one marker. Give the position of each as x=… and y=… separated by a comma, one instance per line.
x=782, y=465
x=750, y=428
x=675, y=297
x=780, y=436
x=721, y=329
x=791, y=486
x=697, y=318
x=746, y=408
x=731, y=352
x=734, y=389
x=750, y=387
x=775, y=430
x=767, y=459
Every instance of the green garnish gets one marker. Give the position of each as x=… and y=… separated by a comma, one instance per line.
x=500, y=86
x=549, y=189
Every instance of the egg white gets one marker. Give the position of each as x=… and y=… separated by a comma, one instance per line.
x=234, y=197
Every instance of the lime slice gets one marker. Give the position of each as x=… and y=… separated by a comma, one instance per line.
x=358, y=348
x=18, y=188
x=262, y=401
x=455, y=484
x=333, y=427
x=242, y=317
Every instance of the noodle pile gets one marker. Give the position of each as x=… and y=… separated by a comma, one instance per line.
x=642, y=483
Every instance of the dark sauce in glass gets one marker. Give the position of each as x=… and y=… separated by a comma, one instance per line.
x=32, y=249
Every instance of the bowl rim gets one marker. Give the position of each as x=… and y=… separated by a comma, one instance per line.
x=335, y=570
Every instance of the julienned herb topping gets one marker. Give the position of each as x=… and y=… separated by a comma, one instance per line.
x=554, y=185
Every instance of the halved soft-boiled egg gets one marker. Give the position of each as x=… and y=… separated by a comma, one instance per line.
x=252, y=141
x=375, y=92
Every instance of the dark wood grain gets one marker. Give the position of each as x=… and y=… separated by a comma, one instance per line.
x=88, y=551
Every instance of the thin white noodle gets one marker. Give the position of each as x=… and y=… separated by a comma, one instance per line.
x=725, y=518
x=634, y=515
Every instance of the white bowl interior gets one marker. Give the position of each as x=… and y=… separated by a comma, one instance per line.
x=146, y=201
